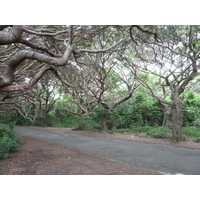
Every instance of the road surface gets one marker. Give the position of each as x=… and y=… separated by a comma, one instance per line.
x=165, y=159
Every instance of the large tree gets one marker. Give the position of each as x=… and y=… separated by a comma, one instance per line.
x=47, y=47
x=34, y=104
x=173, y=56
x=86, y=58
x=98, y=81
x=74, y=54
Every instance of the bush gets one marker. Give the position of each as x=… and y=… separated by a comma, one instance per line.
x=110, y=131
x=197, y=140
x=157, y=132
x=9, y=143
x=86, y=123
x=153, y=132
x=196, y=123
x=183, y=138
x=190, y=131
x=160, y=135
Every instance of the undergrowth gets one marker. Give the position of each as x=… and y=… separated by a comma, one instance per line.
x=9, y=142
x=187, y=133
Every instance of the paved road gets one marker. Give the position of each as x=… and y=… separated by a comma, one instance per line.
x=166, y=159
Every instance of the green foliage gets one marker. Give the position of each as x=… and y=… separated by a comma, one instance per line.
x=197, y=140
x=190, y=132
x=9, y=143
x=140, y=110
x=110, y=131
x=183, y=138
x=141, y=114
x=196, y=123
x=191, y=111
x=160, y=135
x=12, y=125
x=116, y=120
x=87, y=123
x=10, y=117
x=99, y=113
x=154, y=132
x=187, y=133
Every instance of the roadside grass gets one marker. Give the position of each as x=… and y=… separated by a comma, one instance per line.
x=191, y=133
x=187, y=133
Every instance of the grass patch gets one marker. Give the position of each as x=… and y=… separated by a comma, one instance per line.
x=187, y=133
x=152, y=132
x=191, y=132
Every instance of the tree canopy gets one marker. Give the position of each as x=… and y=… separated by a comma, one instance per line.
x=99, y=67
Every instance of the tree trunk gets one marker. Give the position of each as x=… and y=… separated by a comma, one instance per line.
x=166, y=119
x=104, y=125
x=44, y=119
x=177, y=117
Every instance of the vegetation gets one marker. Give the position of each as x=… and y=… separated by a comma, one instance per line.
x=141, y=79
x=141, y=115
x=9, y=143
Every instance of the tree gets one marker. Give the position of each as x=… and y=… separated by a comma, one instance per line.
x=29, y=52
x=174, y=59
x=48, y=46
x=32, y=47
x=97, y=65
x=34, y=104
x=96, y=77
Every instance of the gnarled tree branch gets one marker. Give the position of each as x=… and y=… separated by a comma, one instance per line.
x=6, y=78
x=11, y=36
x=37, y=77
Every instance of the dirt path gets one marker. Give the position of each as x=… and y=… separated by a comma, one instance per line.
x=36, y=157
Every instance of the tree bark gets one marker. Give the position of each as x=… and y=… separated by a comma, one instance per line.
x=166, y=119
x=104, y=125
x=44, y=120
x=11, y=36
x=6, y=78
x=177, y=117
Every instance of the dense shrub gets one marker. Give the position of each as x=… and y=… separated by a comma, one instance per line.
x=191, y=131
x=9, y=143
x=197, y=140
x=158, y=135
x=86, y=123
x=196, y=123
